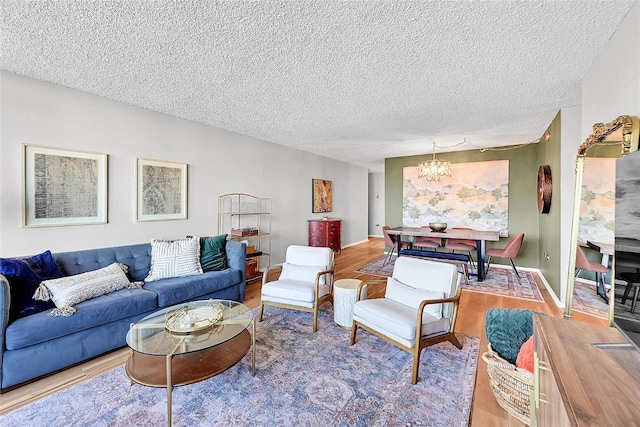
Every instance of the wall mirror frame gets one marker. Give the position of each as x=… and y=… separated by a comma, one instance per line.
x=623, y=131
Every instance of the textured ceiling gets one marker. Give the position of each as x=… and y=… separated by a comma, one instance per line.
x=351, y=80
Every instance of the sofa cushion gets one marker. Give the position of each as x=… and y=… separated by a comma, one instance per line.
x=69, y=291
x=24, y=276
x=180, y=289
x=104, y=309
x=212, y=253
x=174, y=258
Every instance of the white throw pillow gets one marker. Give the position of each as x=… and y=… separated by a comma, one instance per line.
x=303, y=273
x=412, y=297
x=174, y=258
x=68, y=291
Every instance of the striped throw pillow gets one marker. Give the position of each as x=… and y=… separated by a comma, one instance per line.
x=174, y=258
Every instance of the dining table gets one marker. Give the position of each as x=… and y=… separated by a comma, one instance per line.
x=481, y=237
x=626, y=245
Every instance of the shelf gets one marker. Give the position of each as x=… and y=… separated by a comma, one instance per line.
x=241, y=211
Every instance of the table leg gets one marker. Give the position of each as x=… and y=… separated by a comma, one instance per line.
x=480, y=251
x=399, y=242
x=253, y=347
x=169, y=387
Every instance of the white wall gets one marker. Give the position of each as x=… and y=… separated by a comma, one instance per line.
x=376, y=204
x=571, y=139
x=611, y=87
x=36, y=112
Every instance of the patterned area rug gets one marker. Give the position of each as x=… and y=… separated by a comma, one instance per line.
x=585, y=300
x=302, y=378
x=500, y=281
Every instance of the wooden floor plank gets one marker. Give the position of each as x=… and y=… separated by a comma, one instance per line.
x=473, y=307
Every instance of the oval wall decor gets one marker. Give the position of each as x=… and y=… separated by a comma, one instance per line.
x=545, y=188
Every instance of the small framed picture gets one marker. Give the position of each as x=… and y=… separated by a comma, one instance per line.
x=322, y=196
x=63, y=187
x=161, y=190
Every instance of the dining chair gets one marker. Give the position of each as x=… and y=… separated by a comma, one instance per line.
x=510, y=251
x=465, y=245
x=305, y=282
x=633, y=281
x=391, y=242
x=427, y=242
x=419, y=308
x=583, y=263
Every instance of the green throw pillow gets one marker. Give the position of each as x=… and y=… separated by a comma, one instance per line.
x=212, y=253
x=507, y=329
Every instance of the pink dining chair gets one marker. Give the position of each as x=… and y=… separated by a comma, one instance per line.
x=583, y=263
x=427, y=242
x=391, y=242
x=510, y=251
x=466, y=245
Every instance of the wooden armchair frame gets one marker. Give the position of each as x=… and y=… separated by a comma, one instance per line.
x=420, y=342
x=317, y=303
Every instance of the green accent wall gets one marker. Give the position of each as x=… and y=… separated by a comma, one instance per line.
x=549, y=224
x=523, y=204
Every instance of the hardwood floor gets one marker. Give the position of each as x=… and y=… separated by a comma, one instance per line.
x=473, y=307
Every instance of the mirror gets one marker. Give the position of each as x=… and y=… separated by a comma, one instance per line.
x=623, y=132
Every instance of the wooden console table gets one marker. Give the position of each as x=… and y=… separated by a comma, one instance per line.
x=578, y=384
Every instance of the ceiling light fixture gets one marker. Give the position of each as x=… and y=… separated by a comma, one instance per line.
x=434, y=170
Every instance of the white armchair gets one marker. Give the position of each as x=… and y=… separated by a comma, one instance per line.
x=305, y=283
x=419, y=307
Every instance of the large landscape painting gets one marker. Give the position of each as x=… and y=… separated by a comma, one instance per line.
x=476, y=195
x=597, y=204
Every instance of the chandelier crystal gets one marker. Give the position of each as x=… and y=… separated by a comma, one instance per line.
x=434, y=170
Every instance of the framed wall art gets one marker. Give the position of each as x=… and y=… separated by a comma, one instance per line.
x=63, y=187
x=161, y=190
x=322, y=196
x=476, y=196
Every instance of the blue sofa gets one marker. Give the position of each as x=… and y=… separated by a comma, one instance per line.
x=40, y=344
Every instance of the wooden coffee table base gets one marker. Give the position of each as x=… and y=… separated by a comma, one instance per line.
x=174, y=370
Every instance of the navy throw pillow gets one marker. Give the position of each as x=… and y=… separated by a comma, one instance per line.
x=213, y=256
x=507, y=329
x=24, y=275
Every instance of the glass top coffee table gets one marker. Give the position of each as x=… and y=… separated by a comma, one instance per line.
x=189, y=342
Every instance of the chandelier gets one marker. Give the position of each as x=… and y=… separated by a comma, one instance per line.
x=434, y=170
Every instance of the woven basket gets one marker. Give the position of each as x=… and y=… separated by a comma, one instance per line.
x=511, y=385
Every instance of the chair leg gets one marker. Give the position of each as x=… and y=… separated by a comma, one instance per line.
x=388, y=258
x=416, y=365
x=261, y=310
x=635, y=299
x=473, y=265
x=486, y=270
x=454, y=340
x=515, y=269
x=315, y=319
x=354, y=329
x=626, y=293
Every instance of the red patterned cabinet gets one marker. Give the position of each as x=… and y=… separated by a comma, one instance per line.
x=326, y=233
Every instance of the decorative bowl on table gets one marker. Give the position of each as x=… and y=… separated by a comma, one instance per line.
x=438, y=227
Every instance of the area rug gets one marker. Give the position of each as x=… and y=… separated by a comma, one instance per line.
x=586, y=301
x=499, y=281
x=302, y=379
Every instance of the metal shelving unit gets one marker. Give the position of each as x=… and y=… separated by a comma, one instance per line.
x=240, y=212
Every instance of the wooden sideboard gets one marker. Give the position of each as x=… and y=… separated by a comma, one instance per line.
x=326, y=233
x=579, y=384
